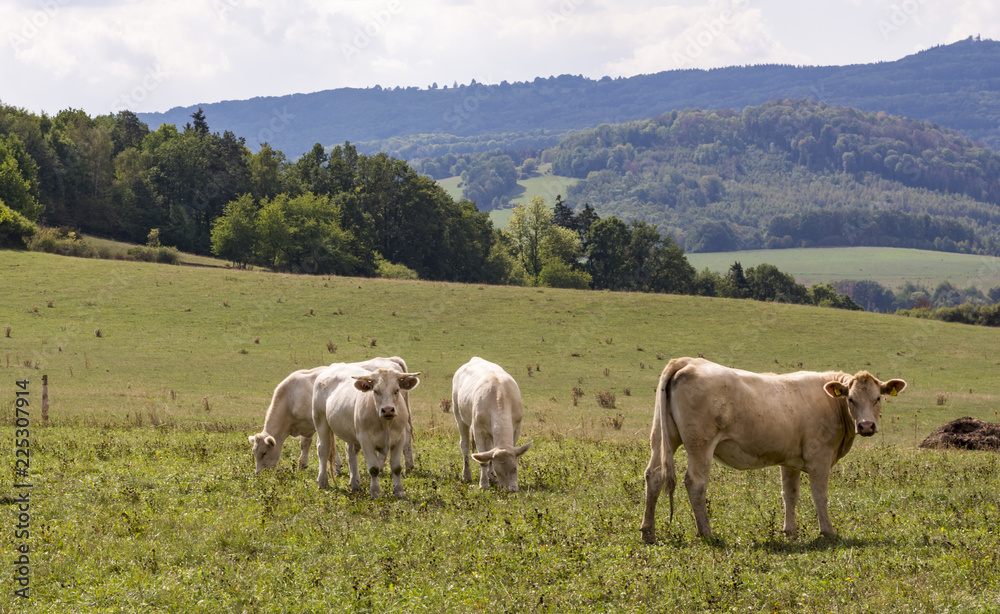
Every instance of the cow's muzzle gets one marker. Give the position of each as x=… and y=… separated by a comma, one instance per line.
x=387, y=412
x=867, y=428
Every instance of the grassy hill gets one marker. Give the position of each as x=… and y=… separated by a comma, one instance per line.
x=144, y=490
x=891, y=267
x=544, y=184
x=207, y=346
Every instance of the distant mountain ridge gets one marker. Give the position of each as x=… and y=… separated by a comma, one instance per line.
x=956, y=85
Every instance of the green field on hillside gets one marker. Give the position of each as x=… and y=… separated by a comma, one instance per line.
x=224, y=338
x=144, y=496
x=889, y=266
x=545, y=184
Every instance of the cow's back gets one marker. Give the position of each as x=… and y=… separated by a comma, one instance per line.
x=756, y=419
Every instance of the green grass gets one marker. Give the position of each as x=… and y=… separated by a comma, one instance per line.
x=544, y=184
x=145, y=491
x=163, y=520
x=890, y=267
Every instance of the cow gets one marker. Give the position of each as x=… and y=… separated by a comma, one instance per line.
x=486, y=400
x=802, y=421
x=289, y=414
x=369, y=410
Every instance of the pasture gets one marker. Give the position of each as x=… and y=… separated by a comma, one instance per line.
x=891, y=267
x=144, y=496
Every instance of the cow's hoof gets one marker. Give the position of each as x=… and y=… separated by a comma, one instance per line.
x=648, y=534
x=323, y=484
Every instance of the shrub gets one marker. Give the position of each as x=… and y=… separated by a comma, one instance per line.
x=606, y=399
x=15, y=229
x=388, y=270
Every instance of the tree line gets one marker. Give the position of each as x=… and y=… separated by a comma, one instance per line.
x=328, y=212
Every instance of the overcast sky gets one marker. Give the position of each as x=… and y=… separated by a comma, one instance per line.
x=144, y=55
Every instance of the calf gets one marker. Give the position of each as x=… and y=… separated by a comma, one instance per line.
x=290, y=414
x=487, y=402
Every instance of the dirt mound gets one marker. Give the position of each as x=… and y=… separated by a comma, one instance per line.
x=965, y=433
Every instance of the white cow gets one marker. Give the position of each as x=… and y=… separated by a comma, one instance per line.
x=290, y=414
x=369, y=410
x=486, y=400
x=800, y=421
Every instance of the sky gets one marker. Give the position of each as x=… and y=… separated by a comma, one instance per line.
x=106, y=56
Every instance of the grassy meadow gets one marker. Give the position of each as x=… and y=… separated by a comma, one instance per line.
x=543, y=184
x=891, y=267
x=145, y=498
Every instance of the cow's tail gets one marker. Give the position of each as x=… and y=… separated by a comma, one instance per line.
x=668, y=429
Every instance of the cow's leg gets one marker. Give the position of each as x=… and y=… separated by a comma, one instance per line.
x=396, y=465
x=654, y=485
x=696, y=482
x=351, y=451
x=484, y=443
x=338, y=464
x=790, y=497
x=464, y=443
x=659, y=473
x=375, y=462
x=408, y=444
x=324, y=441
x=305, y=441
x=819, y=485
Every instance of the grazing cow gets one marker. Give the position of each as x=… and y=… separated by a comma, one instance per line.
x=290, y=414
x=801, y=421
x=486, y=400
x=396, y=364
x=369, y=410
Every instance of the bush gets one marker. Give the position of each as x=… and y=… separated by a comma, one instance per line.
x=388, y=270
x=557, y=274
x=15, y=229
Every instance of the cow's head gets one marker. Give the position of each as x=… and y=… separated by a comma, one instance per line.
x=266, y=451
x=504, y=464
x=387, y=387
x=863, y=394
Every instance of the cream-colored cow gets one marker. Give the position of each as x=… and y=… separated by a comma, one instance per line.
x=800, y=421
x=289, y=415
x=369, y=410
x=487, y=402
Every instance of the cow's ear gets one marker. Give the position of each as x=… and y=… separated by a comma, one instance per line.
x=522, y=449
x=408, y=381
x=363, y=383
x=252, y=438
x=893, y=387
x=485, y=457
x=270, y=441
x=836, y=389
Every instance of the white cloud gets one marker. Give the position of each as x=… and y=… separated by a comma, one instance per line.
x=59, y=53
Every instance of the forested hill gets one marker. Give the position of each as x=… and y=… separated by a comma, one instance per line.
x=793, y=172
x=956, y=85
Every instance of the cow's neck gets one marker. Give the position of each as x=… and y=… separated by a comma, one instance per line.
x=849, y=430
